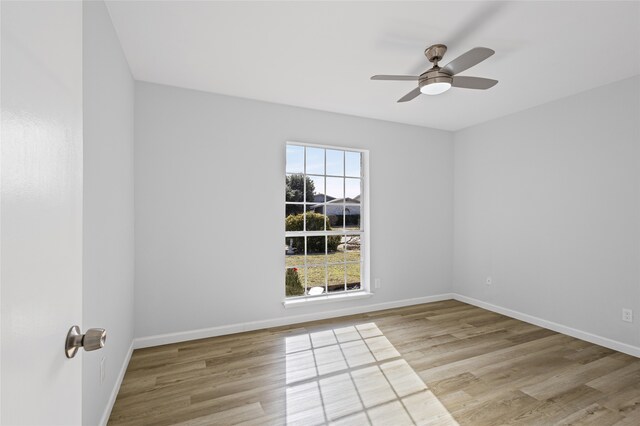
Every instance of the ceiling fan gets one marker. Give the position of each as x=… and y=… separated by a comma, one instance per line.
x=436, y=80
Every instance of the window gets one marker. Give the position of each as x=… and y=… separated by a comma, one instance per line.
x=324, y=226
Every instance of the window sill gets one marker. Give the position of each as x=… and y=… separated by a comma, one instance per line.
x=316, y=300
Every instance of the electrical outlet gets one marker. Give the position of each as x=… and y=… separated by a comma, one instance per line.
x=102, y=369
x=627, y=315
x=376, y=283
x=488, y=281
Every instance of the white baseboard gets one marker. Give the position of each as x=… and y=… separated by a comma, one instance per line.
x=578, y=334
x=203, y=333
x=164, y=339
x=116, y=387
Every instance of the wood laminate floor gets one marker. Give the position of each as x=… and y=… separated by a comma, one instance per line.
x=438, y=363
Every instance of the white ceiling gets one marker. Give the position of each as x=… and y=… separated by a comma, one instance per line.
x=321, y=54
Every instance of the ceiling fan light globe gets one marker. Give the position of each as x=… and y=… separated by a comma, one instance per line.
x=435, y=88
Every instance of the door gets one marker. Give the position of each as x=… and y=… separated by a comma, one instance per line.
x=40, y=211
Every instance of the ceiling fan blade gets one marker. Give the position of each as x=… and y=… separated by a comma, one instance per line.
x=396, y=77
x=412, y=94
x=467, y=60
x=473, y=82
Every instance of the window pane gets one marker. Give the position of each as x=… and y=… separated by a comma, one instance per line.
x=316, y=250
x=302, y=271
x=315, y=278
x=333, y=248
x=315, y=218
x=315, y=161
x=295, y=187
x=353, y=276
x=352, y=248
x=318, y=189
x=335, y=188
x=294, y=281
x=335, y=162
x=295, y=159
x=338, y=255
x=352, y=217
x=336, y=277
x=335, y=213
x=352, y=163
x=352, y=190
x=293, y=214
x=294, y=251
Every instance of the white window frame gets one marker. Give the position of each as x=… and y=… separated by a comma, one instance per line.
x=365, y=232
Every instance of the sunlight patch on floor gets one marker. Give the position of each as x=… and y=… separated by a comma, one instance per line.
x=355, y=376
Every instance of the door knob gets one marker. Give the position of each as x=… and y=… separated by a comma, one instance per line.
x=93, y=339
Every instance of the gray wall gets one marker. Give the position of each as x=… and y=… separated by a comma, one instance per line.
x=209, y=188
x=547, y=203
x=108, y=253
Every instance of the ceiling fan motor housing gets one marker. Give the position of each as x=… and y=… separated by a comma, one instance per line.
x=434, y=76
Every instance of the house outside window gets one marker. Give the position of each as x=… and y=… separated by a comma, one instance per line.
x=325, y=238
